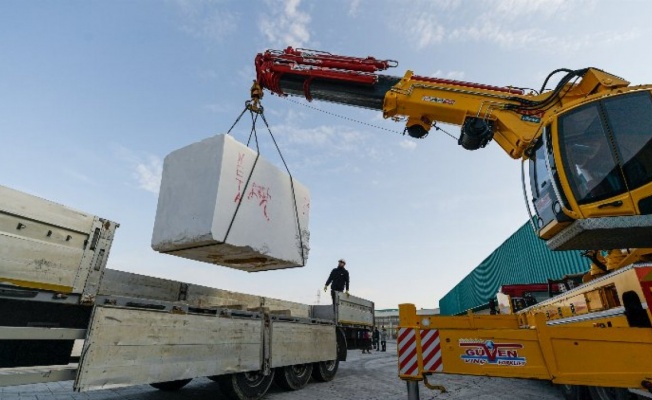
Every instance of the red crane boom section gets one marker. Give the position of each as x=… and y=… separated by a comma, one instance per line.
x=273, y=64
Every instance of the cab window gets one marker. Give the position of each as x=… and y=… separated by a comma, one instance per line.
x=539, y=174
x=594, y=173
x=630, y=120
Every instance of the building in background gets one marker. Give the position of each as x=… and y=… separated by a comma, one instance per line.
x=388, y=318
x=522, y=258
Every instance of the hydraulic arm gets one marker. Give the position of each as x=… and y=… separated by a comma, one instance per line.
x=484, y=112
x=588, y=140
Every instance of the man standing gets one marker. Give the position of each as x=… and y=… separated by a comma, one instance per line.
x=376, y=338
x=338, y=279
x=383, y=339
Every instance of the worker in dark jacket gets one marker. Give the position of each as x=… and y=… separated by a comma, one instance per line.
x=338, y=279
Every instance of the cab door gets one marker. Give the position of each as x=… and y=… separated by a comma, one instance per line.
x=547, y=197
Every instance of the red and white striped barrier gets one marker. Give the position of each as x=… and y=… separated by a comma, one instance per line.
x=408, y=362
x=431, y=351
x=410, y=345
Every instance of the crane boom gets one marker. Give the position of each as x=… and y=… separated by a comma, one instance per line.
x=485, y=112
x=589, y=114
x=323, y=76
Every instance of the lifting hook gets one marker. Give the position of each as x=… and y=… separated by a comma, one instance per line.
x=254, y=105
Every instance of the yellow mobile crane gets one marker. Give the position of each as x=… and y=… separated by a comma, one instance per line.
x=588, y=146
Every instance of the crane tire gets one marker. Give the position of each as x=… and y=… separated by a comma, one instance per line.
x=293, y=377
x=170, y=386
x=610, y=393
x=246, y=385
x=574, y=392
x=325, y=371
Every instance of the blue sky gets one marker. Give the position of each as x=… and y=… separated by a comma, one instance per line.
x=94, y=94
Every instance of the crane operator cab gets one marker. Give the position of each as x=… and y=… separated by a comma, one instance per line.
x=591, y=170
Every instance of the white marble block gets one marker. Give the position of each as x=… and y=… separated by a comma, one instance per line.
x=213, y=208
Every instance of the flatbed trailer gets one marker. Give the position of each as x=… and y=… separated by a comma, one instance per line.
x=55, y=292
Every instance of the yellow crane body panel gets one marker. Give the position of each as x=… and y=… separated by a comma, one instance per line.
x=563, y=354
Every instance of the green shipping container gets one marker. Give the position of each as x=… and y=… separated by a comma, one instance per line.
x=522, y=258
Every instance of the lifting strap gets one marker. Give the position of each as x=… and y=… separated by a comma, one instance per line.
x=256, y=109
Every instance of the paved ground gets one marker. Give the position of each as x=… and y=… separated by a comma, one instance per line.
x=362, y=377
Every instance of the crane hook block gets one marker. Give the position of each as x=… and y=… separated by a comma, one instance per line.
x=476, y=133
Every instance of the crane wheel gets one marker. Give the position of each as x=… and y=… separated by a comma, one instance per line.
x=609, y=393
x=574, y=392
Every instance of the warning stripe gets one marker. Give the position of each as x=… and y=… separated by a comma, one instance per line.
x=431, y=351
x=407, y=351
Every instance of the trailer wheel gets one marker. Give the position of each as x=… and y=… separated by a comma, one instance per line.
x=325, y=371
x=574, y=392
x=170, y=386
x=246, y=385
x=293, y=377
x=609, y=393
